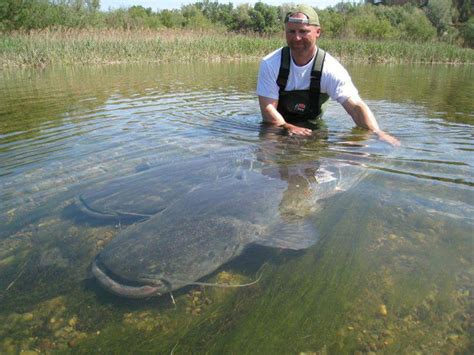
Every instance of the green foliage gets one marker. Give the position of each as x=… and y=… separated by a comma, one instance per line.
x=407, y=21
x=194, y=18
x=217, y=12
x=415, y=26
x=171, y=18
x=377, y=22
x=9, y=11
x=368, y=24
x=440, y=18
x=241, y=19
x=440, y=13
x=134, y=17
x=39, y=14
x=468, y=33
x=265, y=18
x=464, y=9
x=332, y=22
x=48, y=47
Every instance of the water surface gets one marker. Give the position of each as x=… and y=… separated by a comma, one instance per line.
x=392, y=270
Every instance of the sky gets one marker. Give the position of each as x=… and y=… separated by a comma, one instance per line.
x=176, y=4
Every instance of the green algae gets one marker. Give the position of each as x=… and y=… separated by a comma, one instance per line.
x=326, y=299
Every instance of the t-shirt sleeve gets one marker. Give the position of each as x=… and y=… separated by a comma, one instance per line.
x=266, y=83
x=337, y=83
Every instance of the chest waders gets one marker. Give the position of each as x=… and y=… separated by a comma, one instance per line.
x=301, y=106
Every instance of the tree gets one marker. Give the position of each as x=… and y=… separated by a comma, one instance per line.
x=464, y=8
x=439, y=12
x=241, y=20
x=265, y=18
x=468, y=33
x=93, y=5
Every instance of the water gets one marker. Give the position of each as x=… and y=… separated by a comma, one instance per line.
x=392, y=270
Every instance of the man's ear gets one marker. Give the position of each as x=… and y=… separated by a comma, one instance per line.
x=318, y=31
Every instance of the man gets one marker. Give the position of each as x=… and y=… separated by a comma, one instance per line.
x=294, y=82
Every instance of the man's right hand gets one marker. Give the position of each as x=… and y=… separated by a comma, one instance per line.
x=271, y=115
x=300, y=131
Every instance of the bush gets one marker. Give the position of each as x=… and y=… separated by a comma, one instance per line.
x=216, y=13
x=416, y=27
x=172, y=18
x=265, y=18
x=332, y=22
x=379, y=22
x=40, y=14
x=411, y=23
x=366, y=24
x=241, y=20
x=347, y=19
x=194, y=18
x=439, y=12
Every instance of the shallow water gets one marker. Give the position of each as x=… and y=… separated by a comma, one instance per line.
x=392, y=268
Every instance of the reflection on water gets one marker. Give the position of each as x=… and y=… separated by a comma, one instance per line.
x=391, y=270
x=444, y=91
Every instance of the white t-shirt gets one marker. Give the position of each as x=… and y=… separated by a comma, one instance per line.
x=335, y=80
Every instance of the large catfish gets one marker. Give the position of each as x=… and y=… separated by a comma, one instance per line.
x=210, y=225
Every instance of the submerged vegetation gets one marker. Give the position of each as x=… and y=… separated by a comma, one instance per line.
x=360, y=290
x=41, y=32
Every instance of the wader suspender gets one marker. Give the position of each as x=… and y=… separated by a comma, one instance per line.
x=284, y=68
x=315, y=84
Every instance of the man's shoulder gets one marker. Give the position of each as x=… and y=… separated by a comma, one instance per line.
x=331, y=63
x=273, y=57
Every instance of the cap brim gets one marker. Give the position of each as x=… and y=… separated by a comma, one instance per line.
x=297, y=20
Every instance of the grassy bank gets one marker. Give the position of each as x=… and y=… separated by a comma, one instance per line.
x=49, y=47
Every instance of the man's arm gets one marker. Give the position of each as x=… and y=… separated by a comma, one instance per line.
x=363, y=117
x=268, y=107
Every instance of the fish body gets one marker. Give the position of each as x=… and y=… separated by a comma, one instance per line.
x=208, y=222
x=198, y=233
x=139, y=196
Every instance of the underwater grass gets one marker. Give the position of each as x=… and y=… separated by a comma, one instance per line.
x=325, y=300
x=51, y=47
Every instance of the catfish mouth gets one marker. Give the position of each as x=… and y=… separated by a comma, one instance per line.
x=122, y=287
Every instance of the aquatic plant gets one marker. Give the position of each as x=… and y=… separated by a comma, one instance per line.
x=93, y=46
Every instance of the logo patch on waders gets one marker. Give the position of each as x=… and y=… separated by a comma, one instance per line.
x=300, y=107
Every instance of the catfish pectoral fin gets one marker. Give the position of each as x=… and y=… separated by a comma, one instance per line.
x=294, y=235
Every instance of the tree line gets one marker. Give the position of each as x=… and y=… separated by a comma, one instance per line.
x=415, y=20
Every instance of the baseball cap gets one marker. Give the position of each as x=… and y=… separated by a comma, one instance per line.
x=308, y=11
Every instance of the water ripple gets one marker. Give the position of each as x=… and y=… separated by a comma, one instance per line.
x=57, y=143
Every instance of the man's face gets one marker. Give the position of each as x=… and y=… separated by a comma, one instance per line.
x=301, y=38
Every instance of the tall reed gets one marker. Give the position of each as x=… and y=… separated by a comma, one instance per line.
x=60, y=46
